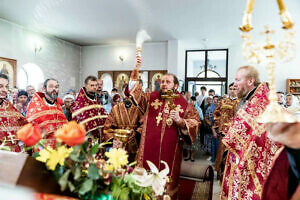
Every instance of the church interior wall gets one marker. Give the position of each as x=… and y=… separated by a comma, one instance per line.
x=56, y=58
x=107, y=58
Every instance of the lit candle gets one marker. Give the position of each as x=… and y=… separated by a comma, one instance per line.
x=249, y=7
x=281, y=5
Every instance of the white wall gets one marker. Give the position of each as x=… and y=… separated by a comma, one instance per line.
x=57, y=59
x=236, y=59
x=106, y=58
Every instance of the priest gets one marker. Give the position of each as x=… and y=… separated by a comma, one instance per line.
x=45, y=110
x=251, y=152
x=10, y=119
x=169, y=120
x=125, y=115
x=222, y=118
x=87, y=110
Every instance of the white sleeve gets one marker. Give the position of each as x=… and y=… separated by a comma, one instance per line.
x=132, y=84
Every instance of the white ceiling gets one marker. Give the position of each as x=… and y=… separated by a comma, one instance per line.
x=93, y=22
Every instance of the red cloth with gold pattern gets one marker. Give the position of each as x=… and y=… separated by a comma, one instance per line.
x=48, y=117
x=11, y=120
x=42, y=196
x=251, y=152
x=161, y=142
x=89, y=112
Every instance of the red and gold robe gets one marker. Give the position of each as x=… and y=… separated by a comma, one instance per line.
x=121, y=117
x=251, y=152
x=159, y=142
x=48, y=117
x=91, y=114
x=11, y=120
x=223, y=114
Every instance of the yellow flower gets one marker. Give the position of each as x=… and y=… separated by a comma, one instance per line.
x=108, y=167
x=44, y=154
x=53, y=160
x=117, y=157
x=63, y=153
x=53, y=157
x=146, y=197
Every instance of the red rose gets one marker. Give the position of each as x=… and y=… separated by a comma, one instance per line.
x=71, y=133
x=29, y=134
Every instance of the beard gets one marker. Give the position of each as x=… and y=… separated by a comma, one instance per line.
x=53, y=95
x=242, y=93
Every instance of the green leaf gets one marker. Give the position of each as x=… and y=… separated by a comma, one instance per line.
x=93, y=172
x=71, y=186
x=77, y=173
x=36, y=154
x=64, y=180
x=124, y=194
x=94, y=149
x=86, y=186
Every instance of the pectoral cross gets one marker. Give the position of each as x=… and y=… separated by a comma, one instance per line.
x=170, y=96
x=158, y=118
x=11, y=138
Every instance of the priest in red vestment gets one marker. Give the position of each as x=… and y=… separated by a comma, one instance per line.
x=45, y=110
x=88, y=110
x=162, y=140
x=250, y=152
x=10, y=119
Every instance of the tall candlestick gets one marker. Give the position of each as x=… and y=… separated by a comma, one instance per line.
x=281, y=5
x=249, y=7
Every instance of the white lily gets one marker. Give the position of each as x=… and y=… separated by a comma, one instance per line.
x=155, y=179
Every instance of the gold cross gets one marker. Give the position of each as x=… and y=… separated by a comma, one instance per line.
x=11, y=138
x=178, y=109
x=158, y=118
x=170, y=96
x=156, y=103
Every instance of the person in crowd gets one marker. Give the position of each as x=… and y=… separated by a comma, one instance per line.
x=280, y=98
x=67, y=107
x=192, y=148
x=22, y=102
x=30, y=91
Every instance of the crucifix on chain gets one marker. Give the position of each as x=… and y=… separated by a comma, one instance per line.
x=169, y=97
x=11, y=138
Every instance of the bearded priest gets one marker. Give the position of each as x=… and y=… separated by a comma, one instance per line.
x=10, y=119
x=45, y=110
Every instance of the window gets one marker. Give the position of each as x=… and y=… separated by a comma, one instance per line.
x=30, y=74
x=206, y=68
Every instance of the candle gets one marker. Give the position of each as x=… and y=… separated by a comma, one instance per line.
x=249, y=7
x=281, y=5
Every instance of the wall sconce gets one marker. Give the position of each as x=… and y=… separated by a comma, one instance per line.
x=37, y=48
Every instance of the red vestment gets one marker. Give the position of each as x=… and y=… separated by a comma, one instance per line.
x=10, y=122
x=48, y=117
x=250, y=152
x=160, y=142
x=91, y=113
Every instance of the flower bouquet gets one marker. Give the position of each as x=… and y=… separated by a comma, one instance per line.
x=76, y=168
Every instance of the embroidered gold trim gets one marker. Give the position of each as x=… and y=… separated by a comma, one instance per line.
x=43, y=113
x=52, y=122
x=93, y=118
x=5, y=129
x=77, y=112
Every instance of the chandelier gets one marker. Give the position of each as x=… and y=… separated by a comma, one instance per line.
x=268, y=54
x=209, y=66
